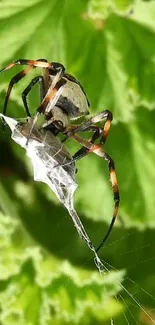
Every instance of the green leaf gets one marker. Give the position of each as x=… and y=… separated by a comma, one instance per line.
x=127, y=58
x=6, y=203
x=56, y=288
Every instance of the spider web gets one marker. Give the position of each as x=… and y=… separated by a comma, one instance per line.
x=47, y=155
x=135, y=310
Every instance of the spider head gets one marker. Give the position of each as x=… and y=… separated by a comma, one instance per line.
x=57, y=68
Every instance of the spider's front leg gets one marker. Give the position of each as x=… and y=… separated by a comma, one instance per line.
x=31, y=65
x=26, y=91
x=14, y=81
x=48, y=103
x=41, y=63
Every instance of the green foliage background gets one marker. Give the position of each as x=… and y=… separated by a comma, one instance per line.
x=47, y=274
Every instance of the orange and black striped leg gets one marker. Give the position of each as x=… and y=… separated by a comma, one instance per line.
x=33, y=63
x=89, y=147
x=13, y=81
x=39, y=79
x=106, y=127
x=97, y=150
x=16, y=79
x=81, y=153
x=52, y=97
x=48, y=103
x=93, y=120
x=41, y=63
x=97, y=132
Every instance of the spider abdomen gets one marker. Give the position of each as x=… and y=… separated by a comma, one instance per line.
x=68, y=107
x=73, y=100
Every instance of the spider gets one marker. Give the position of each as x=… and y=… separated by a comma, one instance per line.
x=63, y=99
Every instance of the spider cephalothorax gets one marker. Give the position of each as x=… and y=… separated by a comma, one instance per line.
x=63, y=99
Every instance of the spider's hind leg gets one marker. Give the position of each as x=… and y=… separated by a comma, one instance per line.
x=82, y=152
x=87, y=125
x=87, y=148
